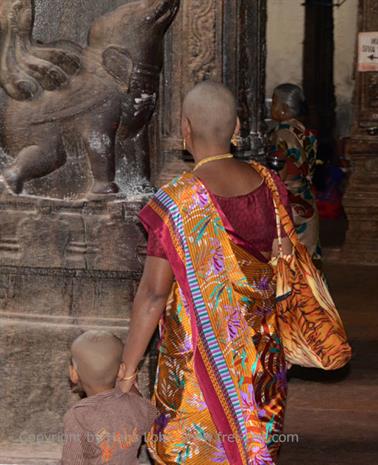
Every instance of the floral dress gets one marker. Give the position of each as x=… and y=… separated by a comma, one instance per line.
x=295, y=144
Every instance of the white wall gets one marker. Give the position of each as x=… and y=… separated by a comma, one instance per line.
x=285, y=42
x=285, y=50
x=345, y=47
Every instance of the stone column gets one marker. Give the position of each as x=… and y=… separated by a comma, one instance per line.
x=251, y=77
x=361, y=200
x=223, y=40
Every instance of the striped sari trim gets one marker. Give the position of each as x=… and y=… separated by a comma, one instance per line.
x=210, y=343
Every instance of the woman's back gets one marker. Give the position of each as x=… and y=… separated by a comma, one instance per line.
x=230, y=178
x=242, y=196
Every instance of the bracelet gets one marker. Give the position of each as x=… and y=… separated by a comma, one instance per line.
x=128, y=378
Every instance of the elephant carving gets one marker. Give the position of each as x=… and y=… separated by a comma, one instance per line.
x=54, y=91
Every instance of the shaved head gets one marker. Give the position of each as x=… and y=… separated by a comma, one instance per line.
x=210, y=108
x=97, y=356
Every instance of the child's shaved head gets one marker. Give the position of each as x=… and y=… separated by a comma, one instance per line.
x=211, y=110
x=97, y=355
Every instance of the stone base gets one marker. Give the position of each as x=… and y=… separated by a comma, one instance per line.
x=64, y=268
x=40, y=454
x=29, y=454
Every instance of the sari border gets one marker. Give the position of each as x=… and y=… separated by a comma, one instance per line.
x=193, y=296
x=216, y=410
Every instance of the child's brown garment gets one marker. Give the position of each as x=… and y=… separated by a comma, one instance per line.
x=106, y=429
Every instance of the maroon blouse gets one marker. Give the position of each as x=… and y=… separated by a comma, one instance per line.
x=251, y=215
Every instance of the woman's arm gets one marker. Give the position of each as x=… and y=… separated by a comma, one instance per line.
x=150, y=302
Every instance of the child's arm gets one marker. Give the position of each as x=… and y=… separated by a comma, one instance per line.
x=149, y=304
x=74, y=441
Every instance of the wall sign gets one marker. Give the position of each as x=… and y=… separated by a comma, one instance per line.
x=368, y=51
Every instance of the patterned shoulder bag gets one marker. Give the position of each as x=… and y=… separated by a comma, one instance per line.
x=311, y=329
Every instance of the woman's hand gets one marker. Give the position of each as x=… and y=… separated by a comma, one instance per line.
x=127, y=385
x=126, y=378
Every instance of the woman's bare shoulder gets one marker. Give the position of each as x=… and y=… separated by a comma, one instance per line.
x=234, y=179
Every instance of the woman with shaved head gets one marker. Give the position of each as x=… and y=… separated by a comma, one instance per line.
x=221, y=381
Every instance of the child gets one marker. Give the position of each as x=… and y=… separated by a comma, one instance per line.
x=108, y=425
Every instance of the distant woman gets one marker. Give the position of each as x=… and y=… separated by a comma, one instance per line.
x=296, y=146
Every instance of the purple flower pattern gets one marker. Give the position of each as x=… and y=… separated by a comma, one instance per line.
x=217, y=265
x=220, y=455
x=234, y=322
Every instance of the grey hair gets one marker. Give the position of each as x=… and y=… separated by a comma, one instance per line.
x=293, y=96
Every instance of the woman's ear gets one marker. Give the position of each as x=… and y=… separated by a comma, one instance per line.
x=121, y=371
x=186, y=129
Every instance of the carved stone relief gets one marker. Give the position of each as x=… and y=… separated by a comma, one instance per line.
x=202, y=39
x=61, y=95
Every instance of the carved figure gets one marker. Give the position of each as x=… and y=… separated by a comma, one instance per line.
x=60, y=89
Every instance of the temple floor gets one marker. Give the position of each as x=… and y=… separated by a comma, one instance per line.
x=335, y=415
x=332, y=418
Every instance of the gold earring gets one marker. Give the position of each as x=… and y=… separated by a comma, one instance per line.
x=235, y=140
x=184, y=144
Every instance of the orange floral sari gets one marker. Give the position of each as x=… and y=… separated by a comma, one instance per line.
x=221, y=381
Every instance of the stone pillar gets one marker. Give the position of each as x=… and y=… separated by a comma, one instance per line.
x=361, y=199
x=250, y=83
x=223, y=40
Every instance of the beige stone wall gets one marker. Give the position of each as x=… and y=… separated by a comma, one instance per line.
x=285, y=42
x=345, y=46
x=285, y=50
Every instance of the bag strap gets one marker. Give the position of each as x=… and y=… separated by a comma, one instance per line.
x=279, y=230
x=283, y=220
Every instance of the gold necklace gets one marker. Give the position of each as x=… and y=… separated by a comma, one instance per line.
x=213, y=158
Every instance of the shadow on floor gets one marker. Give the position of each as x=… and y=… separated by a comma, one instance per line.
x=320, y=376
